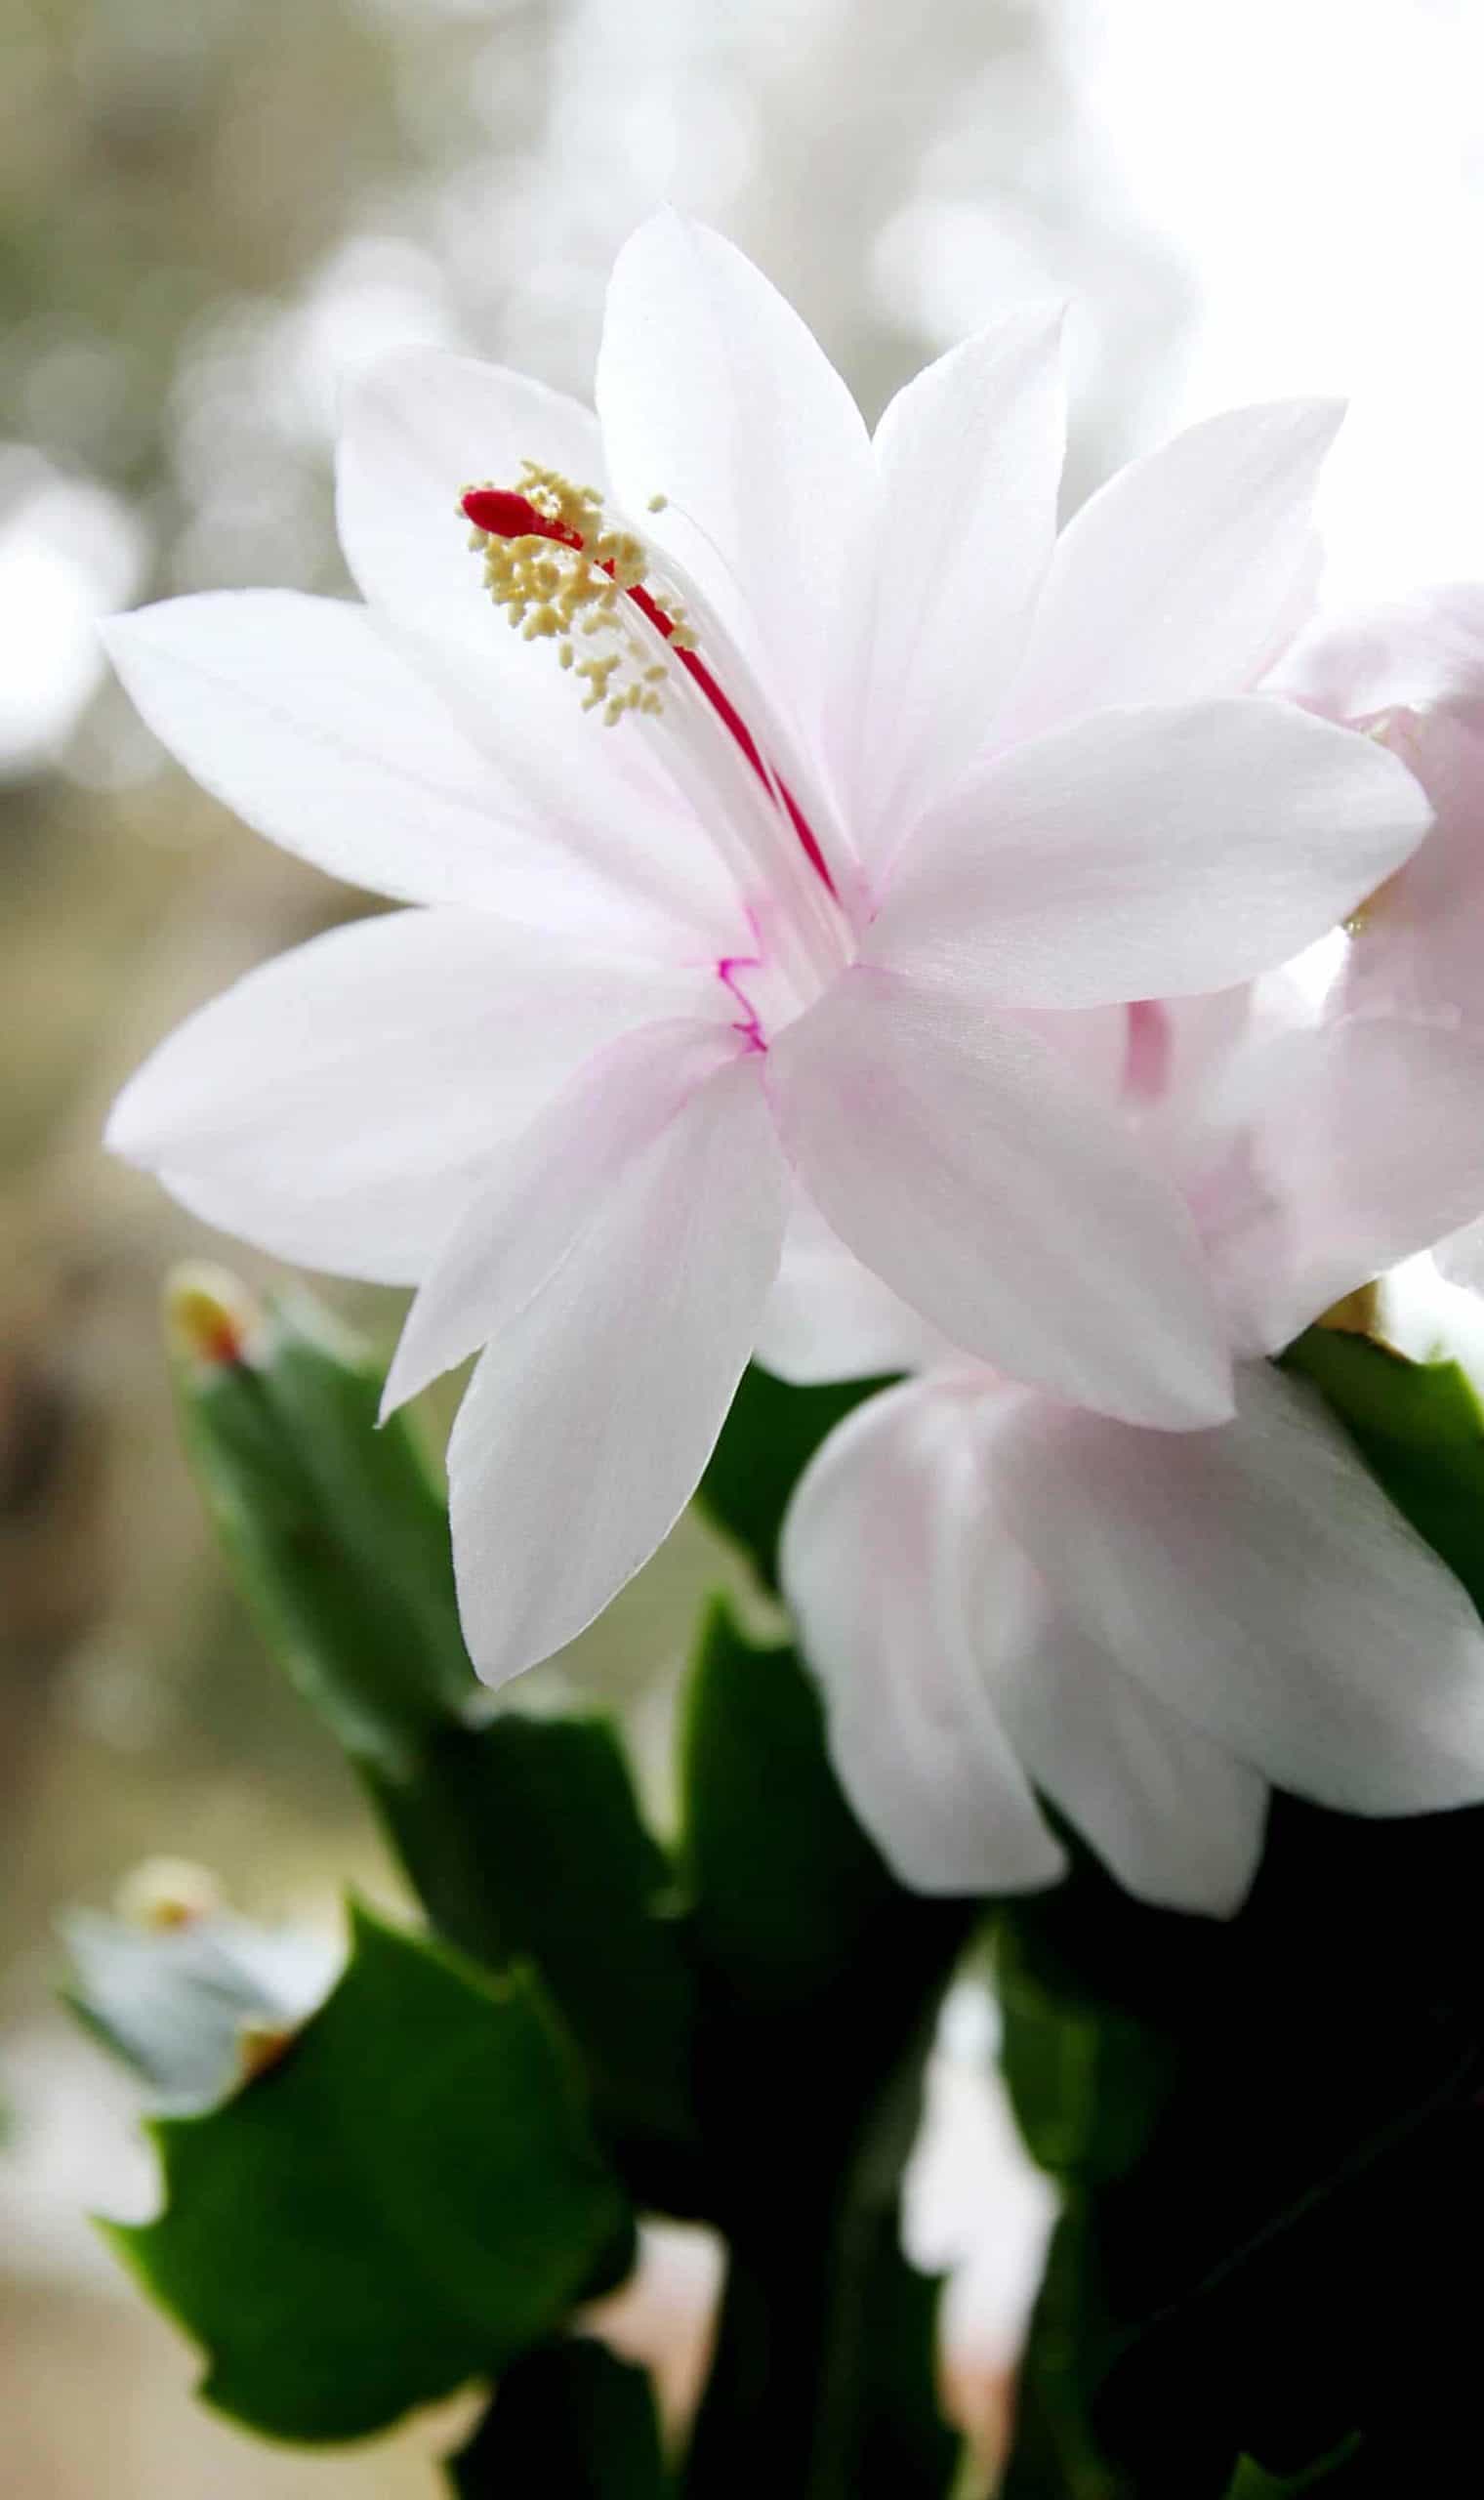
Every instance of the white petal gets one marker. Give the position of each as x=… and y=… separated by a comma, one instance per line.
x=1176, y=1817
x=591, y=1415
x=545, y=1194
x=712, y=394
x=1149, y=854
x=416, y=428
x=338, y=1105
x=829, y=1318
x=1357, y=1144
x=1407, y=654
x=1419, y=943
x=1177, y=579
x=1460, y=1257
x=872, y=1564
x=968, y=458
x=299, y=713
x=960, y=1161
x=1257, y=1579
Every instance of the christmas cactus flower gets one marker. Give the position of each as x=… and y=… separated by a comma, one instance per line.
x=1003, y=1594
x=765, y=794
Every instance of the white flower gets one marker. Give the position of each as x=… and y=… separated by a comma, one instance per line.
x=1003, y=1594
x=787, y=929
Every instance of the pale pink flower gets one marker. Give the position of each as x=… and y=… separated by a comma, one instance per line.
x=1003, y=1594
x=783, y=934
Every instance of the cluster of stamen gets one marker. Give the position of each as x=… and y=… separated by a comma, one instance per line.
x=559, y=572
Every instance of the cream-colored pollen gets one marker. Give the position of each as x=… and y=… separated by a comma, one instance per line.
x=549, y=592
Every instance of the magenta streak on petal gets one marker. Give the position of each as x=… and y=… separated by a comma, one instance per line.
x=728, y=968
x=1148, y=1049
x=508, y=515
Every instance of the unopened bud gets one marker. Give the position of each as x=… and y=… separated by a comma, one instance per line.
x=209, y=1316
x=166, y=1893
x=260, y=2045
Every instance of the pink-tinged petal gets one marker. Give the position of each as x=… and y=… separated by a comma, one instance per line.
x=875, y=1558
x=714, y=395
x=1406, y=655
x=1417, y=945
x=299, y=713
x=416, y=428
x=1351, y=1147
x=960, y=1161
x=1460, y=1257
x=339, y=1106
x=1148, y=855
x=1174, y=1815
x=1179, y=579
x=829, y=1318
x=968, y=457
x=549, y=1188
x=1257, y=1581
x=593, y=1413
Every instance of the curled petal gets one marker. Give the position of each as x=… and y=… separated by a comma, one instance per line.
x=875, y=1562
x=1257, y=1581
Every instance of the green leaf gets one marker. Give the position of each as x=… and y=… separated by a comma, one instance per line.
x=569, y=2422
x=766, y=1441
x=406, y=2201
x=1087, y=2079
x=786, y=1885
x=338, y=1533
x=820, y=1978
x=524, y=1837
x=184, y=2006
x=1420, y=1431
x=1346, y=2470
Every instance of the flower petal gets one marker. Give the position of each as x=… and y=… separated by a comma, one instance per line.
x=1148, y=855
x=960, y=1161
x=1418, y=944
x=591, y=1415
x=1407, y=654
x=433, y=773
x=416, y=428
x=1357, y=1144
x=1177, y=579
x=1175, y=1817
x=968, y=457
x=714, y=395
x=1256, y=1580
x=336, y=1107
x=872, y=1564
x=545, y=1193
x=829, y=1318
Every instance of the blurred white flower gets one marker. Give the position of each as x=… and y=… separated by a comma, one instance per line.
x=69, y=552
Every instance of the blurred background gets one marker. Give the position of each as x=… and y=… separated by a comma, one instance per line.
x=207, y=215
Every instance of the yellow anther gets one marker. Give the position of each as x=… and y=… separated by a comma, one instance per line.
x=553, y=591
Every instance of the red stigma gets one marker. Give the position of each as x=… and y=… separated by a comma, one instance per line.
x=507, y=515
x=504, y=514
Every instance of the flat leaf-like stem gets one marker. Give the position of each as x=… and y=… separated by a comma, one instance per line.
x=410, y=2198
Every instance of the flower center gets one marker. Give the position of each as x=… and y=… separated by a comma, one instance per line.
x=559, y=572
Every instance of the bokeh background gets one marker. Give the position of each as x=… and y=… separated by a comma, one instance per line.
x=207, y=215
